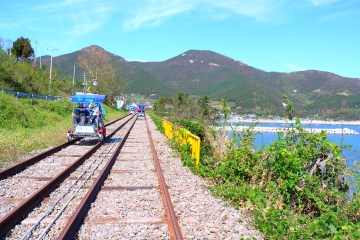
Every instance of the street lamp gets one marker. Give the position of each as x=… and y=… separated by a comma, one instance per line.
x=94, y=82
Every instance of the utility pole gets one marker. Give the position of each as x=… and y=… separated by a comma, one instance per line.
x=40, y=58
x=97, y=68
x=52, y=50
x=84, y=83
x=73, y=79
x=35, y=53
x=9, y=48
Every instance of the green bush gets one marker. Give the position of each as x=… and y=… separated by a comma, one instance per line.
x=296, y=188
x=194, y=127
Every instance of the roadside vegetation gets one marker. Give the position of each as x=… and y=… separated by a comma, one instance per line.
x=18, y=73
x=299, y=187
x=27, y=125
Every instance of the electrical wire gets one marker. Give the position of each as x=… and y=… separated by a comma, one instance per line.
x=14, y=22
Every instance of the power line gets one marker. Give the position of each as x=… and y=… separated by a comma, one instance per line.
x=21, y=25
x=14, y=22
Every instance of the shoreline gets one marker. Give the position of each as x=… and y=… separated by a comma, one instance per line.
x=260, y=120
x=337, y=131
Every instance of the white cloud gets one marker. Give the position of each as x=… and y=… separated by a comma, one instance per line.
x=323, y=2
x=151, y=13
x=84, y=16
x=87, y=16
x=89, y=20
x=255, y=8
x=85, y=27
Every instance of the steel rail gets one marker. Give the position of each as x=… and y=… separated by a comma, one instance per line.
x=51, y=208
x=47, y=229
x=23, y=165
x=17, y=214
x=116, y=120
x=75, y=221
x=174, y=228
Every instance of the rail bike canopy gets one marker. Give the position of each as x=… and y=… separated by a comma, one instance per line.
x=87, y=98
x=142, y=106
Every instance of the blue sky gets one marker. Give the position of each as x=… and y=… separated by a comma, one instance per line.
x=271, y=35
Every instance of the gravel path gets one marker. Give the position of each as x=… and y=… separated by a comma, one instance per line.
x=201, y=215
x=136, y=210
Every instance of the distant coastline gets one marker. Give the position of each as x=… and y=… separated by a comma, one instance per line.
x=303, y=121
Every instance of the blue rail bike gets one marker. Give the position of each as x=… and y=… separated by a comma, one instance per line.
x=88, y=117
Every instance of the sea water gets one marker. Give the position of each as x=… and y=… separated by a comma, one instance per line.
x=351, y=155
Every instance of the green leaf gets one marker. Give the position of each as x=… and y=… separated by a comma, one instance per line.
x=332, y=228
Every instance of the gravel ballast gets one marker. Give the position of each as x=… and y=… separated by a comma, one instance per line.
x=201, y=215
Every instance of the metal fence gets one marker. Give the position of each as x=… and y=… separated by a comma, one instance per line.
x=30, y=95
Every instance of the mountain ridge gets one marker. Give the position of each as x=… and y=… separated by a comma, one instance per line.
x=204, y=72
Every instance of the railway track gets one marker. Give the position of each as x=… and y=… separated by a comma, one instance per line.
x=30, y=181
x=113, y=190
x=24, y=164
x=59, y=195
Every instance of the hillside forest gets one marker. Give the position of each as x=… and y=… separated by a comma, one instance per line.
x=20, y=71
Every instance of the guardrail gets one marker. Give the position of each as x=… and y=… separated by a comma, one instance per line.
x=30, y=95
x=183, y=136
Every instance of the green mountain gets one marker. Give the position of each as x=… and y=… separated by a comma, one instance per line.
x=137, y=80
x=257, y=91
x=251, y=90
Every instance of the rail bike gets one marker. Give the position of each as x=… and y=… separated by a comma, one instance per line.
x=88, y=117
x=141, y=110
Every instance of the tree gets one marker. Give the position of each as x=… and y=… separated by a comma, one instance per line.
x=162, y=106
x=185, y=106
x=205, y=106
x=22, y=49
x=225, y=108
x=289, y=108
x=98, y=66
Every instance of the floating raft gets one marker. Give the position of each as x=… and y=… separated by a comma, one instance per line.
x=346, y=131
